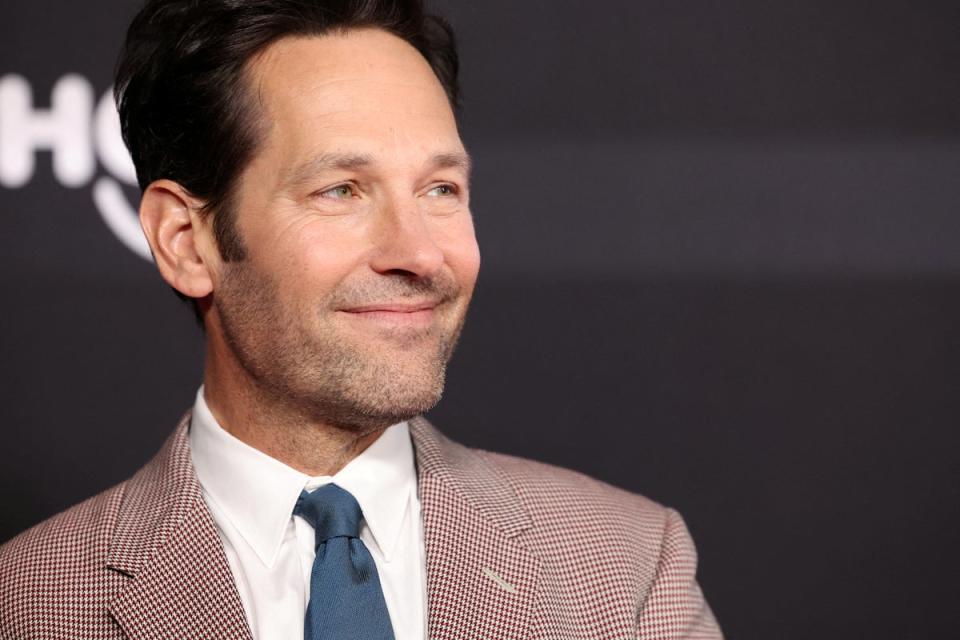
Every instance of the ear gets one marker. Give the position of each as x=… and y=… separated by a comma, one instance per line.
x=181, y=241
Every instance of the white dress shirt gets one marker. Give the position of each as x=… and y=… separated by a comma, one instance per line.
x=251, y=497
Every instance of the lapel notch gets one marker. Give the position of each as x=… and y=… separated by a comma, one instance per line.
x=165, y=539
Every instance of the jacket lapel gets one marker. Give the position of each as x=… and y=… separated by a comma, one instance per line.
x=481, y=579
x=166, y=541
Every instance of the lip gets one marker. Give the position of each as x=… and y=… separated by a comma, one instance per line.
x=394, y=316
x=394, y=307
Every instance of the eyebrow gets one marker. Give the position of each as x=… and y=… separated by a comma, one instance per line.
x=455, y=160
x=352, y=161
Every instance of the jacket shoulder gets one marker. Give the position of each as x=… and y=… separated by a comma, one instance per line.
x=59, y=563
x=580, y=523
x=605, y=549
x=585, y=529
x=548, y=491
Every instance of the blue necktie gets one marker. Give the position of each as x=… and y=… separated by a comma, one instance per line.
x=346, y=601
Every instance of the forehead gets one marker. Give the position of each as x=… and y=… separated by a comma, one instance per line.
x=363, y=90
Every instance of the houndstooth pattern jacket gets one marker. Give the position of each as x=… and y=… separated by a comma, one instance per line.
x=515, y=549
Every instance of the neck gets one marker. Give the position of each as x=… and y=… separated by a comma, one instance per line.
x=257, y=417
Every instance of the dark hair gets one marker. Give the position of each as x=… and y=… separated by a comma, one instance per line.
x=185, y=110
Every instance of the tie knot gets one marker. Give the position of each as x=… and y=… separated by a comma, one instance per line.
x=331, y=511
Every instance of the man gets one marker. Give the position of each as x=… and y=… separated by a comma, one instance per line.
x=305, y=185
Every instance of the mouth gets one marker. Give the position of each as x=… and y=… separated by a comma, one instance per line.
x=394, y=307
x=395, y=315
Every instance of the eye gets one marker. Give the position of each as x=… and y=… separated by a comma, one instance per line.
x=442, y=190
x=339, y=192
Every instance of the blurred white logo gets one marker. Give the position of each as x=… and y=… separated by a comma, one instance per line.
x=77, y=132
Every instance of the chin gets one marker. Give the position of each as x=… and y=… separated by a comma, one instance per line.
x=368, y=416
x=376, y=394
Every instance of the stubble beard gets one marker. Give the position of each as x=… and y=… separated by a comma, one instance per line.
x=313, y=371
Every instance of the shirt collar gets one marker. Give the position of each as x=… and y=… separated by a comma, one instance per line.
x=257, y=493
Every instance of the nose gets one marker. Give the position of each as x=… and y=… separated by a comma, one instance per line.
x=405, y=242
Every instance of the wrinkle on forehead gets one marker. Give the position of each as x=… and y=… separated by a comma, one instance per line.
x=349, y=161
x=363, y=92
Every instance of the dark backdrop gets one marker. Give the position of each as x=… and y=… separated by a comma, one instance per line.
x=721, y=268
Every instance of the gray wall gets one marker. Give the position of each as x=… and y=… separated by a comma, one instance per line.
x=720, y=268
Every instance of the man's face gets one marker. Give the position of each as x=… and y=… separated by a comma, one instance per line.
x=354, y=212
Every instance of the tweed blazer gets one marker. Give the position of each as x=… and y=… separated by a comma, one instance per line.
x=514, y=549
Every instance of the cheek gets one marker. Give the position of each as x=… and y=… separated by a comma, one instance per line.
x=313, y=261
x=462, y=253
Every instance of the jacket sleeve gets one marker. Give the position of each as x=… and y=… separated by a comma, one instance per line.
x=675, y=607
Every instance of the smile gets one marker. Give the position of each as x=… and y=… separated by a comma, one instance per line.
x=395, y=315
